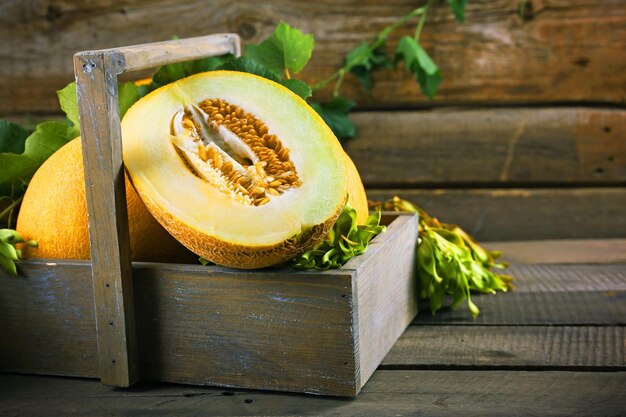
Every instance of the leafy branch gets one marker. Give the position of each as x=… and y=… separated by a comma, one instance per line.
x=370, y=56
x=450, y=262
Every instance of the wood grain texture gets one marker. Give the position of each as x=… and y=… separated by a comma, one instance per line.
x=562, y=251
x=263, y=329
x=526, y=213
x=96, y=90
x=571, y=51
x=48, y=323
x=516, y=146
x=389, y=393
x=151, y=55
x=569, y=278
x=523, y=347
x=553, y=308
x=548, y=295
x=386, y=287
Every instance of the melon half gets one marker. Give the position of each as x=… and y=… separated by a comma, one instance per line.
x=236, y=167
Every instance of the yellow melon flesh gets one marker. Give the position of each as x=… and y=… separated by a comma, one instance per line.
x=54, y=213
x=201, y=205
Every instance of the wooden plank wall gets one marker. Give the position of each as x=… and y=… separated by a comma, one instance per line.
x=525, y=140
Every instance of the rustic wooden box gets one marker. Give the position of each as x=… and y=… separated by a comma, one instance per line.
x=280, y=329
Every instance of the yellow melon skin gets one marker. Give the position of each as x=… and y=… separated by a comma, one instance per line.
x=54, y=214
x=356, y=192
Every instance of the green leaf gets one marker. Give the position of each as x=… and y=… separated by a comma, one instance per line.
x=335, y=114
x=251, y=66
x=12, y=137
x=362, y=61
x=128, y=94
x=447, y=264
x=173, y=72
x=8, y=253
x=299, y=87
x=286, y=49
x=8, y=265
x=420, y=64
x=43, y=142
x=458, y=7
x=345, y=240
x=69, y=103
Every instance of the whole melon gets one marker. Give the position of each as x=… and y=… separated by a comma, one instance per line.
x=54, y=214
x=238, y=168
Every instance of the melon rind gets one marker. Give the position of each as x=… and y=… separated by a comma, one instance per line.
x=211, y=223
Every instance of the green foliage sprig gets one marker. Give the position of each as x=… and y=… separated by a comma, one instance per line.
x=450, y=262
x=345, y=240
x=8, y=250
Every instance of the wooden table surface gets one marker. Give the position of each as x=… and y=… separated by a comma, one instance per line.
x=554, y=346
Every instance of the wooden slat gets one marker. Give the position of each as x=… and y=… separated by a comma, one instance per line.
x=96, y=91
x=393, y=393
x=524, y=214
x=385, y=302
x=261, y=329
x=48, y=322
x=548, y=295
x=524, y=347
x=518, y=308
x=561, y=251
x=513, y=146
x=569, y=278
x=571, y=50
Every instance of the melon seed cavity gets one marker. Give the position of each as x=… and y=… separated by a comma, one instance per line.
x=233, y=151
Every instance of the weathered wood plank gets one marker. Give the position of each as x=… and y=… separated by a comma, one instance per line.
x=96, y=91
x=259, y=329
x=523, y=347
x=569, y=278
x=589, y=251
x=571, y=50
x=530, y=308
x=48, y=320
x=490, y=146
x=524, y=214
x=389, y=393
x=385, y=304
x=548, y=295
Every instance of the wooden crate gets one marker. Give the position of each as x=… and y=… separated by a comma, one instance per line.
x=281, y=329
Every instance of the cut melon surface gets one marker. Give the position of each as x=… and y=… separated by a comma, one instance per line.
x=236, y=167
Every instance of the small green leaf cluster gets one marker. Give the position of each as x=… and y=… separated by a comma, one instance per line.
x=450, y=262
x=345, y=240
x=8, y=251
x=21, y=153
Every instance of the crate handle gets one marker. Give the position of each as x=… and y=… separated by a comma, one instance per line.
x=97, y=94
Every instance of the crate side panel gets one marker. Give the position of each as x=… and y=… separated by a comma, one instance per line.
x=48, y=324
x=278, y=330
x=386, y=291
